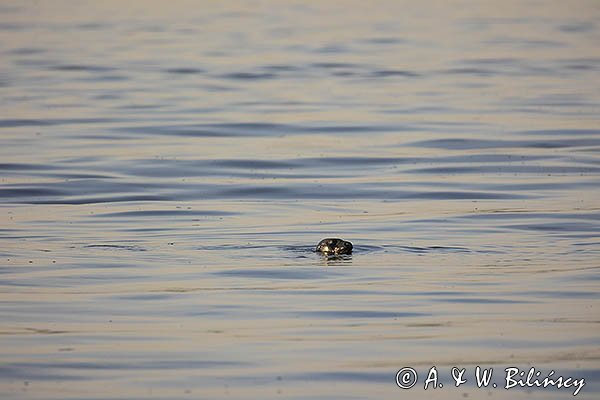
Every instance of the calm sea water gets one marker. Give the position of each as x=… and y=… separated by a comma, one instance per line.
x=166, y=169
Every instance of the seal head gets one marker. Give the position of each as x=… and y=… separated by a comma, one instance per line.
x=334, y=246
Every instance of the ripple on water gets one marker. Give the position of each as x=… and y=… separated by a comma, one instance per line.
x=279, y=273
x=469, y=144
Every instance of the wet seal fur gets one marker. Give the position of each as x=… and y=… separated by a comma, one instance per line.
x=334, y=246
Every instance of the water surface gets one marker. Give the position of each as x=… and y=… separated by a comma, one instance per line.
x=166, y=170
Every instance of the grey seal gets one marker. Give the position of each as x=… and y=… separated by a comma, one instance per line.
x=334, y=246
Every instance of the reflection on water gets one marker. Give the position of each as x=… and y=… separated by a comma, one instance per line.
x=166, y=171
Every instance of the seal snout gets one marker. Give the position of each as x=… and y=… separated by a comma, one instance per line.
x=334, y=246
